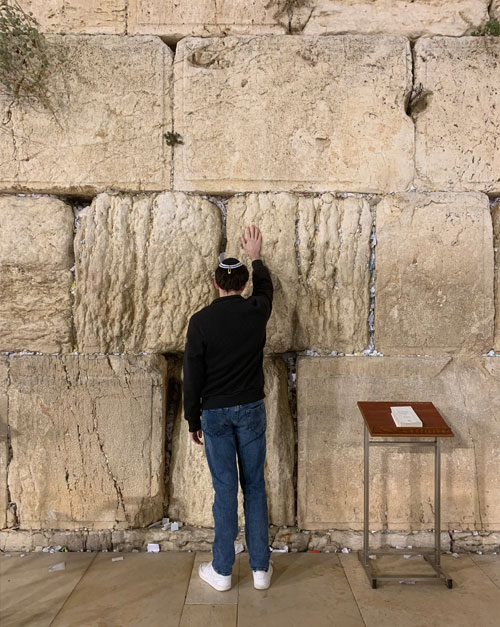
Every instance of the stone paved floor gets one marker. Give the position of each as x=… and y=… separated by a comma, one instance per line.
x=308, y=590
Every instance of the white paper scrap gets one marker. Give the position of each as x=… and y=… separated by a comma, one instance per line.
x=153, y=548
x=59, y=566
x=116, y=559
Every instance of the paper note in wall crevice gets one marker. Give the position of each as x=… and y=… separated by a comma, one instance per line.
x=405, y=416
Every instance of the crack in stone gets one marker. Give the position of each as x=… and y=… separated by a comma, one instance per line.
x=11, y=505
x=120, y=501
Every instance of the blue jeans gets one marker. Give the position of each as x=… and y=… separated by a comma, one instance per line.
x=230, y=433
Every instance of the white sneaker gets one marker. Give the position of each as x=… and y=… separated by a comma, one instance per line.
x=208, y=574
x=262, y=578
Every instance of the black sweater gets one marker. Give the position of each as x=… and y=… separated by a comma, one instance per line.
x=225, y=348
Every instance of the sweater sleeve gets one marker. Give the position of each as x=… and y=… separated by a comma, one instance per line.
x=194, y=376
x=262, y=285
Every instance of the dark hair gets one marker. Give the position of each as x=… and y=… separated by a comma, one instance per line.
x=231, y=279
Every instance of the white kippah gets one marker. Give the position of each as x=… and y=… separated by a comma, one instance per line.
x=228, y=266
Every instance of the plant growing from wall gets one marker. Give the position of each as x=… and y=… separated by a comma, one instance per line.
x=24, y=55
x=492, y=28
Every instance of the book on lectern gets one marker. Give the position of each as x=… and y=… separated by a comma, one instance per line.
x=405, y=416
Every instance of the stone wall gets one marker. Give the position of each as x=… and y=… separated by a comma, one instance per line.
x=362, y=137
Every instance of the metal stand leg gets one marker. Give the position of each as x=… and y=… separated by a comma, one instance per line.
x=366, y=513
x=364, y=556
x=436, y=563
x=437, y=502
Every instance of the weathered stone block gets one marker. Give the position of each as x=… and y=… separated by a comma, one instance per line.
x=4, y=444
x=144, y=265
x=317, y=250
x=495, y=9
x=36, y=255
x=175, y=20
x=434, y=278
x=395, y=17
x=190, y=487
x=75, y=16
x=330, y=462
x=293, y=113
x=496, y=239
x=110, y=98
x=458, y=117
x=87, y=436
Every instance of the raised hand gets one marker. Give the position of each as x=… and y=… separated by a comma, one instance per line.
x=251, y=241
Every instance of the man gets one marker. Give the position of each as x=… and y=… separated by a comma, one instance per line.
x=224, y=382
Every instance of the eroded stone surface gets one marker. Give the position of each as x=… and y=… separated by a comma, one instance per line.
x=75, y=16
x=36, y=254
x=4, y=446
x=204, y=17
x=317, y=250
x=434, y=274
x=495, y=9
x=395, y=17
x=495, y=213
x=110, y=98
x=87, y=436
x=293, y=113
x=330, y=463
x=144, y=265
x=190, y=488
x=458, y=117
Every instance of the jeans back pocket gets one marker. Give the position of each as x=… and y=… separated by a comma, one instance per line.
x=256, y=417
x=215, y=422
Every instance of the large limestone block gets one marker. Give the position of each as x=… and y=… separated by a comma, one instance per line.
x=144, y=265
x=87, y=437
x=317, y=250
x=190, y=488
x=174, y=20
x=395, y=17
x=4, y=443
x=330, y=431
x=75, y=16
x=110, y=100
x=293, y=113
x=434, y=274
x=496, y=238
x=458, y=118
x=36, y=255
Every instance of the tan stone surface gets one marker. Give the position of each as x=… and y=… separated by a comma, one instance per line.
x=140, y=590
x=317, y=250
x=395, y=17
x=75, y=16
x=29, y=595
x=330, y=457
x=458, y=123
x=87, y=436
x=305, y=590
x=293, y=113
x=144, y=265
x=110, y=101
x=174, y=20
x=474, y=599
x=495, y=213
x=190, y=485
x=495, y=9
x=4, y=445
x=36, y=254
x=434, y=274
